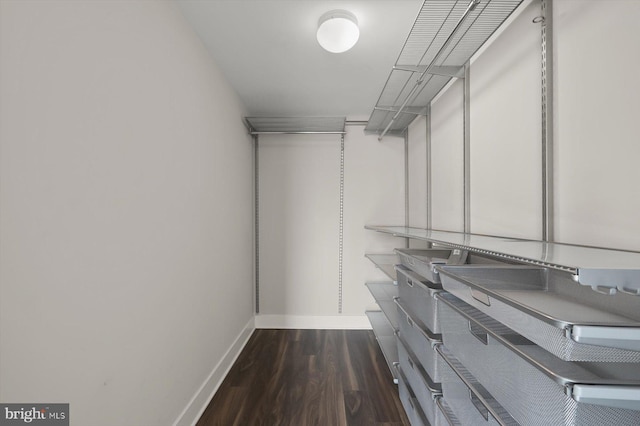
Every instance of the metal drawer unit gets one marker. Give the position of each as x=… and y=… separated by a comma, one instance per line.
x=549, y=308
x=534, y=386
x=550, y=332
x=470, y=403
x=423, y=387
x=416, y=337
x=448, y=416
x=423, y=261
x=409, y=401
x=418, y=295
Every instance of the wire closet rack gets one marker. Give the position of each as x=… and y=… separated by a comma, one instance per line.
x=295, y=125
x=445, y=35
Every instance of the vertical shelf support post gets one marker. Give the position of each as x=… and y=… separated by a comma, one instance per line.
x=467, y=147
x=341, y=226
x=428, y=171
x=547, y=120
x=406, y=182
x=256, y=225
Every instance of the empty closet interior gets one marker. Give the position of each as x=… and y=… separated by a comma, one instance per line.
x=481, y=215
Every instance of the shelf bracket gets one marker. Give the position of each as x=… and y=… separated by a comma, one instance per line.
x=446, y=71
x=408, y=110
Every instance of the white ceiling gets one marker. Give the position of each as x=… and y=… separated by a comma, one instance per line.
x=268, y=51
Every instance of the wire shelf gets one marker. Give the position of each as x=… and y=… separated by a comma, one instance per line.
x=296, y=125
x=604, y=269
x=445, y=35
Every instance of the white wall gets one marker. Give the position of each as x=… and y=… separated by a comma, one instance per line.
x=447, y=161
x=299, y=225
x=299, y=200
x=596, y=109
x=505, y=138
x=417, y=153
x=506, y=188
x=374, y=195
x=125, y=211
x=597, y=150
x=596, y=198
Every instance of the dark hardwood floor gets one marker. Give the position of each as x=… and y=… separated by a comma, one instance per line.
x=305, y=378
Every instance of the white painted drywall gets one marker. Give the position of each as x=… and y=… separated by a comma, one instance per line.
x=125, y=210
x=505, y=137
x=447, y=161
x=299, y=206
x=299, y=222
x=597, y=150
x=374, y=195
x=417, y=136
x=506, y=151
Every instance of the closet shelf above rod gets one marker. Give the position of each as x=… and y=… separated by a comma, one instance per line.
x=296, y=125
x=445, y=35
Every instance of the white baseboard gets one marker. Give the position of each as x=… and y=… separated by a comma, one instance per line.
x=335, y=322
x=194, y=409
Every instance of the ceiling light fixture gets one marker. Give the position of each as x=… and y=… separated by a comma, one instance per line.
x=338, y=31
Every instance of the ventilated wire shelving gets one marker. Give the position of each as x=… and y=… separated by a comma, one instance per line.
x=296, y=125
x=445, y=35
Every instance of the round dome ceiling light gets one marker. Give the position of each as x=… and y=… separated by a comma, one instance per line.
x=338, y=31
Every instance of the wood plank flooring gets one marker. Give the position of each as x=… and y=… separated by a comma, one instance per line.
x=308, y=378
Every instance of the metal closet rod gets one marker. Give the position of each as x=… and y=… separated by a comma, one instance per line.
x=472, y=5
x=297, y=133
x=346, y=123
